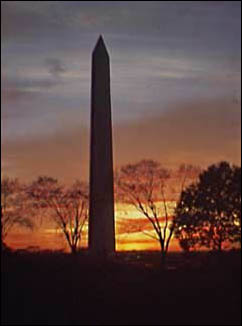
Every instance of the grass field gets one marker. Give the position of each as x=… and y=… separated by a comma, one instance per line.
x=53, y=288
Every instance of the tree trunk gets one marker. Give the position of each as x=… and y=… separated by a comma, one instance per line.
x=73, y=249
x=220, y=247
x=163, y=256
x=2, y=243
x=163, y=260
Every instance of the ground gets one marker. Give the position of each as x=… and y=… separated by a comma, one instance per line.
x=53, y=288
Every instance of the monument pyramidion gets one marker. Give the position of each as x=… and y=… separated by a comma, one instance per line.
x=101, y=211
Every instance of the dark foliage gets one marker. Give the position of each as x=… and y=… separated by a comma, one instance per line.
x=209, y=211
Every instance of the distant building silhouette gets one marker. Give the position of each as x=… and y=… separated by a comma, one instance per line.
x=101, y=212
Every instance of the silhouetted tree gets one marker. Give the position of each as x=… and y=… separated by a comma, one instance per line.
x=15, y=206
x=209, y=211
x=66, y=206
x=143, y=185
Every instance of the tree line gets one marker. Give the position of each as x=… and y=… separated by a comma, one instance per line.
x=206, y=214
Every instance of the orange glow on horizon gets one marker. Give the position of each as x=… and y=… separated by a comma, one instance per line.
x=52, y=239
x=56, y=241
x=130, y=228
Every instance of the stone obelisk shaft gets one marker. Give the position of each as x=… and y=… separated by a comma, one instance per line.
x=101, y=211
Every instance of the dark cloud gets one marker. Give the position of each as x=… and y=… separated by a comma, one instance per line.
x=29, y=20
x=55, y=67
x=21, y=98
x=195, y=25
x=28, y=83
x=16, y=89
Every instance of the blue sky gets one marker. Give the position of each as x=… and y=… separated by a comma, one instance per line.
x=175, y=80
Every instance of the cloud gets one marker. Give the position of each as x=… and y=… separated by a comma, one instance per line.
x=161, y=53
x=155, y=55
x=18, y=86
x=127, y=225
x=198, y=25
x=61, y=154
x=18, y=91
x=55, y=67
x=198, y=133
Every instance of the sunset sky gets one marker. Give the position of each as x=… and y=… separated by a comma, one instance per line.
x=175, y=82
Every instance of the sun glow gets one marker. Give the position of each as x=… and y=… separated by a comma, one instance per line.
x=133, y=232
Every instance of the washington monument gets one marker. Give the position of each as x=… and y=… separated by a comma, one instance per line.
x=101, y=210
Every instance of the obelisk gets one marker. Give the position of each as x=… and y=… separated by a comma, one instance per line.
x=101, y=210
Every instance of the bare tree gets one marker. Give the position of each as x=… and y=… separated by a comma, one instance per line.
x=185, y=175
x=66, y=206
x=143, y=185
x=15, y=206
x=146, y=185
